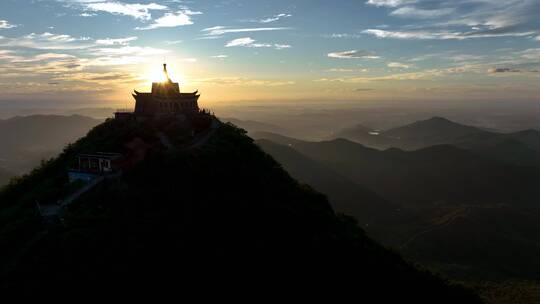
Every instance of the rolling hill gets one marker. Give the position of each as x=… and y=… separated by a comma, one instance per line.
x=345, y=195
x=520, y=148
x=461, y=213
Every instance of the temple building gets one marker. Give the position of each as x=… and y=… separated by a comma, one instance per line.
x=165, y=99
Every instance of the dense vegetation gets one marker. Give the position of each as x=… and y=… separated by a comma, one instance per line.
x=226, y=208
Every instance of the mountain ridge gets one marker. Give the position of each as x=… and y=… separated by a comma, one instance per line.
x=441, y=192
x=223, y=204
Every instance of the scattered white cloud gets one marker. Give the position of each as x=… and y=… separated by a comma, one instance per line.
x=97, y=77
x=4, y=24
x=238, y=81
x=449, y=19
x=240, y=42
x=354, y=54
x=275, y=18
x=466, y=57
x=390, y=3
x=413, y=12
x=399, y=65
x=135, y=10
x=87, y=15
x=117, y=41
x=220, y=56
x=47, y=41
x=171, y=42
x=251, y=43
x=222, y=30
x=342, y=70
x=442, y=35
x=343, y=35
x=44, y=57
x=131, y=51
x=179, y=18
x=530, y=54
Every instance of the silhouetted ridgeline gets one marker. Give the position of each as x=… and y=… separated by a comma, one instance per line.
x=216, y=211
x=520, y=148
x=467, y=215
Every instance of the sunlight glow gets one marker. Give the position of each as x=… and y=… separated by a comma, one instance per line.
x=157, y=75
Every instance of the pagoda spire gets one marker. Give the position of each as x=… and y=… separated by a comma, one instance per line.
x=165, y=72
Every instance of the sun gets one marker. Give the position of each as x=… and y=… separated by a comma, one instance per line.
x=157, y=75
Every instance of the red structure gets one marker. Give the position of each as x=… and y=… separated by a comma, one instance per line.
x=92, y=165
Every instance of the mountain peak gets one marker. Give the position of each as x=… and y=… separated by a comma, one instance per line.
x=434, y=130
x=439, y=119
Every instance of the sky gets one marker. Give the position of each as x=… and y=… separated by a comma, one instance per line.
x=96, y=52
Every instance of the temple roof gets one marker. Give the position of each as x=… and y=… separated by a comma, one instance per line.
x=166, y=89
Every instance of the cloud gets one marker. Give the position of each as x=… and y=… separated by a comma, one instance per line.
x=100, y=78
x=44, y=57
x=35, y=65
x=466, y=57
x=135, y=10
x=398, y=65
x=354, y=54
x=118, y=41
x=503, y=70
x=342, y=70
x=537, y=38
x=171, y=42
x=442, y=35
x=222, y=30
x=342, y=35
x=131, y=51
x=4, y=24
x=275, y=18
x=421, y=75
x=47, y=41
x=179, y=18
x=463, y=19
x=87, y=15
x=413, y=12
x=7, y=55
x=240, y=42
x=238, y=81
x=530, y=54
x=220, y=56
x=251, y=43
x=390, y=3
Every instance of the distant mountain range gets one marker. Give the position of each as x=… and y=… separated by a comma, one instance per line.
x=520, y=148
x=252, y=126
x=451, y=208
x=26, y=140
